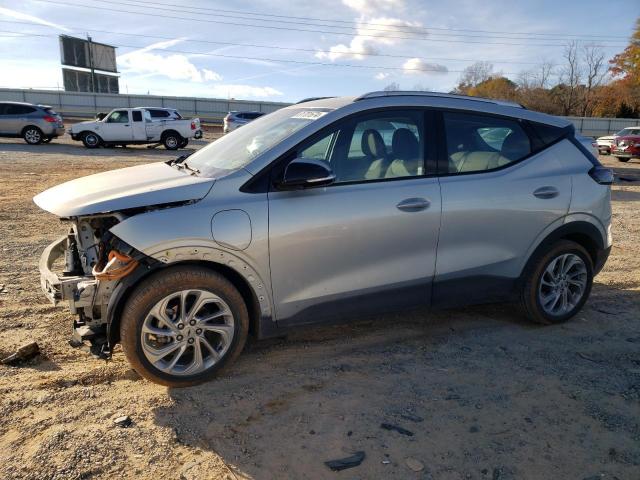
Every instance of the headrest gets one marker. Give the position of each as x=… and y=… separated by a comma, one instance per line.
x=405, y=144
x=372, y=144
x=515, y=146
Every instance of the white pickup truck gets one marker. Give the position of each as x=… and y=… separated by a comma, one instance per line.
x=124, y=126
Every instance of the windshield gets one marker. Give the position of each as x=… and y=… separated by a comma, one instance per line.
x=238, y=148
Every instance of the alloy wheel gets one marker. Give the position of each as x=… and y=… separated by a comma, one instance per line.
x=187, y=332
x=562, y=284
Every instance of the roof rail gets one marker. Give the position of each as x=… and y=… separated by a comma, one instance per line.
x=403, y=93
x=311, y=99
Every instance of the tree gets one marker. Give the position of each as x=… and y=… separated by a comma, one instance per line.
x=473, y=75
x=595, y=72
x=500, y=88
x=627, y=63
x=570, y=77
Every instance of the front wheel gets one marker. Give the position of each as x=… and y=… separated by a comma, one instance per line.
x=181, y=326
x=91, y=140
x=623, y=159
x=557, y=283
x=33, y=135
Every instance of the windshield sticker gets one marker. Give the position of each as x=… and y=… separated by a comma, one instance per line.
x=309, y=114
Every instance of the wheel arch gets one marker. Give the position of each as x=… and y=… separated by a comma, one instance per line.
x=582, y=232
x=26, y=127
x=168, y=131
x=125, y=288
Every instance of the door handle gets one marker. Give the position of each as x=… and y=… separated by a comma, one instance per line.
x=413, y=204
x=546, y=192
x=127, y=125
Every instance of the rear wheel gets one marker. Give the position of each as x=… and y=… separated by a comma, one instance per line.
x=182, y=326
x=91, y=140
x=172, y=140
x=184, y=143
x=33, y=135
x=557, y=283
x=623, y=159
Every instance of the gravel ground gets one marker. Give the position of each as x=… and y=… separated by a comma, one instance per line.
x=485, y=394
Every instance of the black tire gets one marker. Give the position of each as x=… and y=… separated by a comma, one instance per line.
x=33, y=135
x=184, y=143
x=171, y=140
x=530, y=298
x=623, y=159
x=157, y=287
x=91, y=140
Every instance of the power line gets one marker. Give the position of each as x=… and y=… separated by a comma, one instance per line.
x=203, y=20
x=412, y=29
x=81, y=30
x=276, y=60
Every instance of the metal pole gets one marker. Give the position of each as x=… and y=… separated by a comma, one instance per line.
x=93, y=72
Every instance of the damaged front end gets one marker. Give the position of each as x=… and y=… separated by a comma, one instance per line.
x=83, y=268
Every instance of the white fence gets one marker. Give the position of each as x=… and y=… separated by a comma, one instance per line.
x=597, y=127
x=87, y=105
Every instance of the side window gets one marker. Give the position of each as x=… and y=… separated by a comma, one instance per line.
x=19, y=110
x=3, y=108
x=137, y=115
x=371, y=147
x=320, y=150
x=119, y=116
x=476, y=143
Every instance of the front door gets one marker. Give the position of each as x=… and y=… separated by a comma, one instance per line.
x=366, y=243
x=117, y=127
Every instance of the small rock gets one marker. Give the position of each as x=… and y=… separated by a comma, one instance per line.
x=386, y=462
x=414, y=465
x=25, y=352
x=123, y=422
x=474, y=429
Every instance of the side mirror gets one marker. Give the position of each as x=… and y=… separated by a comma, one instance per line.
x=306, y=172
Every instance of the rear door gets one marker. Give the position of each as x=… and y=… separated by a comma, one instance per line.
x=117, y=127
x=15, y=118
x=366, y=243
x=497, y=197
x=139, y=125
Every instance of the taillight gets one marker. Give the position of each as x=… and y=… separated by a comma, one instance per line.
x=50, y=119
x=193, y=125
x=601, y=175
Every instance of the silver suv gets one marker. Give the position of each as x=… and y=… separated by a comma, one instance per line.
x=327, y=210
x=234, y=120
x=35, y=123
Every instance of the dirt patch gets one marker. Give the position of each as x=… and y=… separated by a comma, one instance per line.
x=485, y=394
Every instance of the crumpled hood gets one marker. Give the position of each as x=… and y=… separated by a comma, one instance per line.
x=139, y=186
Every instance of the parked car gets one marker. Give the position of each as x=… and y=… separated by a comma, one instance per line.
x=234, y=120
x=626, y=147
x=35, y=123
x=328, y=210
x=124, y=126
x=604, y=143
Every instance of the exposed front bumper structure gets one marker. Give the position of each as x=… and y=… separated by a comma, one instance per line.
x=57, y=288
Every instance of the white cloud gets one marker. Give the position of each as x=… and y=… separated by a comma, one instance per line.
x=30, y=18
x=416, y=66
x=369, y=37
x=174, y=66
x=381, y=76
x=367, y=7
x=211, y=75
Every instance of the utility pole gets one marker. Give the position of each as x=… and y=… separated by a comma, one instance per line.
x=93, y=72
